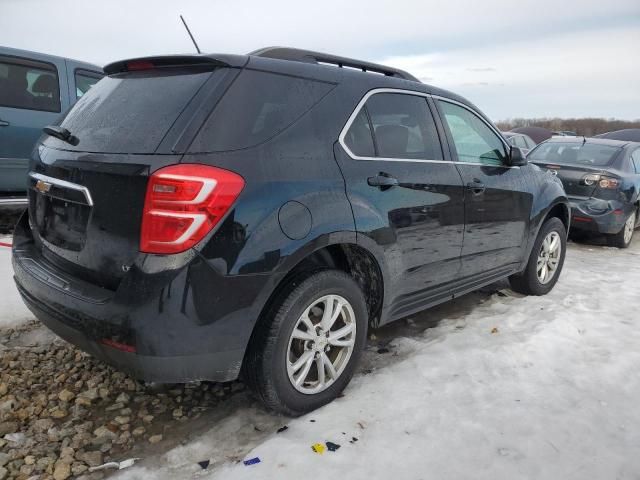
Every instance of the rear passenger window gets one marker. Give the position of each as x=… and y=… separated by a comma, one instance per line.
x=359, y=138
x=257, y=107
x=403, y=127
x=29, y=85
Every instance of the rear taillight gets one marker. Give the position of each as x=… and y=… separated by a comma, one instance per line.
x=182, y=205
x=602, y=180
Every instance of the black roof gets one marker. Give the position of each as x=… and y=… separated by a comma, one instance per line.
x=628, y=134
x=308, y=63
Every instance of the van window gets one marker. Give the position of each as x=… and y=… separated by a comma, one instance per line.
x=635, y=159
x=475, y=142
x=258, y=106
x=29, y=85
x=85, y=80
x=403, y=127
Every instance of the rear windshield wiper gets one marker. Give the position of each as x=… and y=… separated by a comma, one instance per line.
x=61, y=133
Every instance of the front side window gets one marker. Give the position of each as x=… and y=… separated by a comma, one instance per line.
x=84, y=81
x=29, y=85
x=475, y=142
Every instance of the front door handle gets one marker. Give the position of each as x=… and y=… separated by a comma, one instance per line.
x=4, y=123
x=383, y=181
x=476, y=187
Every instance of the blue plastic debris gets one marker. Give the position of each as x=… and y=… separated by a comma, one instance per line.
x=252, y=461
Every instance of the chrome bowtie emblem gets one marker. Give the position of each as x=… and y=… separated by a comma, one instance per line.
x=42, y=186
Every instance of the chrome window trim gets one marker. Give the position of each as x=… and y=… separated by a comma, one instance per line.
x=370, y=93
x=64, y=184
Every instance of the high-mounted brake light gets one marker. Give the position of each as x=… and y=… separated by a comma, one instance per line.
x=140, y=65
x=183, y=204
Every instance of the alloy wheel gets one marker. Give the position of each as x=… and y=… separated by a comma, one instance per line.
x=549, y=257
x=629, y=227
x=321, y=344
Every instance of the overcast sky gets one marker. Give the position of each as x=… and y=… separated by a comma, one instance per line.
x=531, y=58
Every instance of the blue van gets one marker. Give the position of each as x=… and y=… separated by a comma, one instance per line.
x=35, y=89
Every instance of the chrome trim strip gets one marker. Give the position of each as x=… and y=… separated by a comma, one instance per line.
x=64, y=184
x=14, y=202
x=370, y=93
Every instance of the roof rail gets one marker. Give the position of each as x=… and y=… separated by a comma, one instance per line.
x=308, y=56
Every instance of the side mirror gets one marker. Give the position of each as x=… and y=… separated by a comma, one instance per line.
x=517, y=158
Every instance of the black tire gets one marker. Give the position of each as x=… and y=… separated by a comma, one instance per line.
x=527, y=282
x=265, y=365
x=618, y=239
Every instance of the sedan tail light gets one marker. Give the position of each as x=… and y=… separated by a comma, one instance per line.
x=183, y=204
x=602, y=180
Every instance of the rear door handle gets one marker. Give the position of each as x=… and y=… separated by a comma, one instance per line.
x=4, y=123
x=476, y=187
x=383, y=180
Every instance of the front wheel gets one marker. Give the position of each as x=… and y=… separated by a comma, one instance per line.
x=545, y=262
x=305, y=352
x=623, y=238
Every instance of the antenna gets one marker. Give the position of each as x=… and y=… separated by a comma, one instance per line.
x=189, y=32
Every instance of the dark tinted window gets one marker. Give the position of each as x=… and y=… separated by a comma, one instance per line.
x=475, y=142
x=403, y=127
x=358, y=137
x=84, y=81
x=131, y=113
x=574, y=153
x=29, y=85
x=258, y=106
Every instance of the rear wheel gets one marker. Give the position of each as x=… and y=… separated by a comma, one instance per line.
x=545, y=262
x=305, y=353
x=623, y=238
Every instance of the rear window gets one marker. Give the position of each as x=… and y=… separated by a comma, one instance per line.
x=258, y=106
x=574, y=153
x=132, y=112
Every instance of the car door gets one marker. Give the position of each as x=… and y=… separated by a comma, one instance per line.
x=32, y=95
x=406, y=199
x=497, y=197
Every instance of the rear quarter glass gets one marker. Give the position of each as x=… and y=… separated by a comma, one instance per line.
x=258, y=106
x=130, y=112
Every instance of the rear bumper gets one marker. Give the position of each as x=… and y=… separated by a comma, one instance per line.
x=598, y=216
x=159, y=336
x=218, y=366
x=13, y=204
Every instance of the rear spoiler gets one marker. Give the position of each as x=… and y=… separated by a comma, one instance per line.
x=169, y=61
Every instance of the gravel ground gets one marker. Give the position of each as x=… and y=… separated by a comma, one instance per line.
x=62, y=412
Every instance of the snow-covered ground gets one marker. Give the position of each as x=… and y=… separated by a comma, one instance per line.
x=503, y=387
x=12, y=309
x=491, y=386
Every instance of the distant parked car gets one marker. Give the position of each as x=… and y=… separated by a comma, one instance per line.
x=602, y=180
x=524, y=142
x=628, y=135
x=35, y=89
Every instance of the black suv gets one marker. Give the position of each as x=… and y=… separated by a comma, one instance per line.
x=214, y=216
